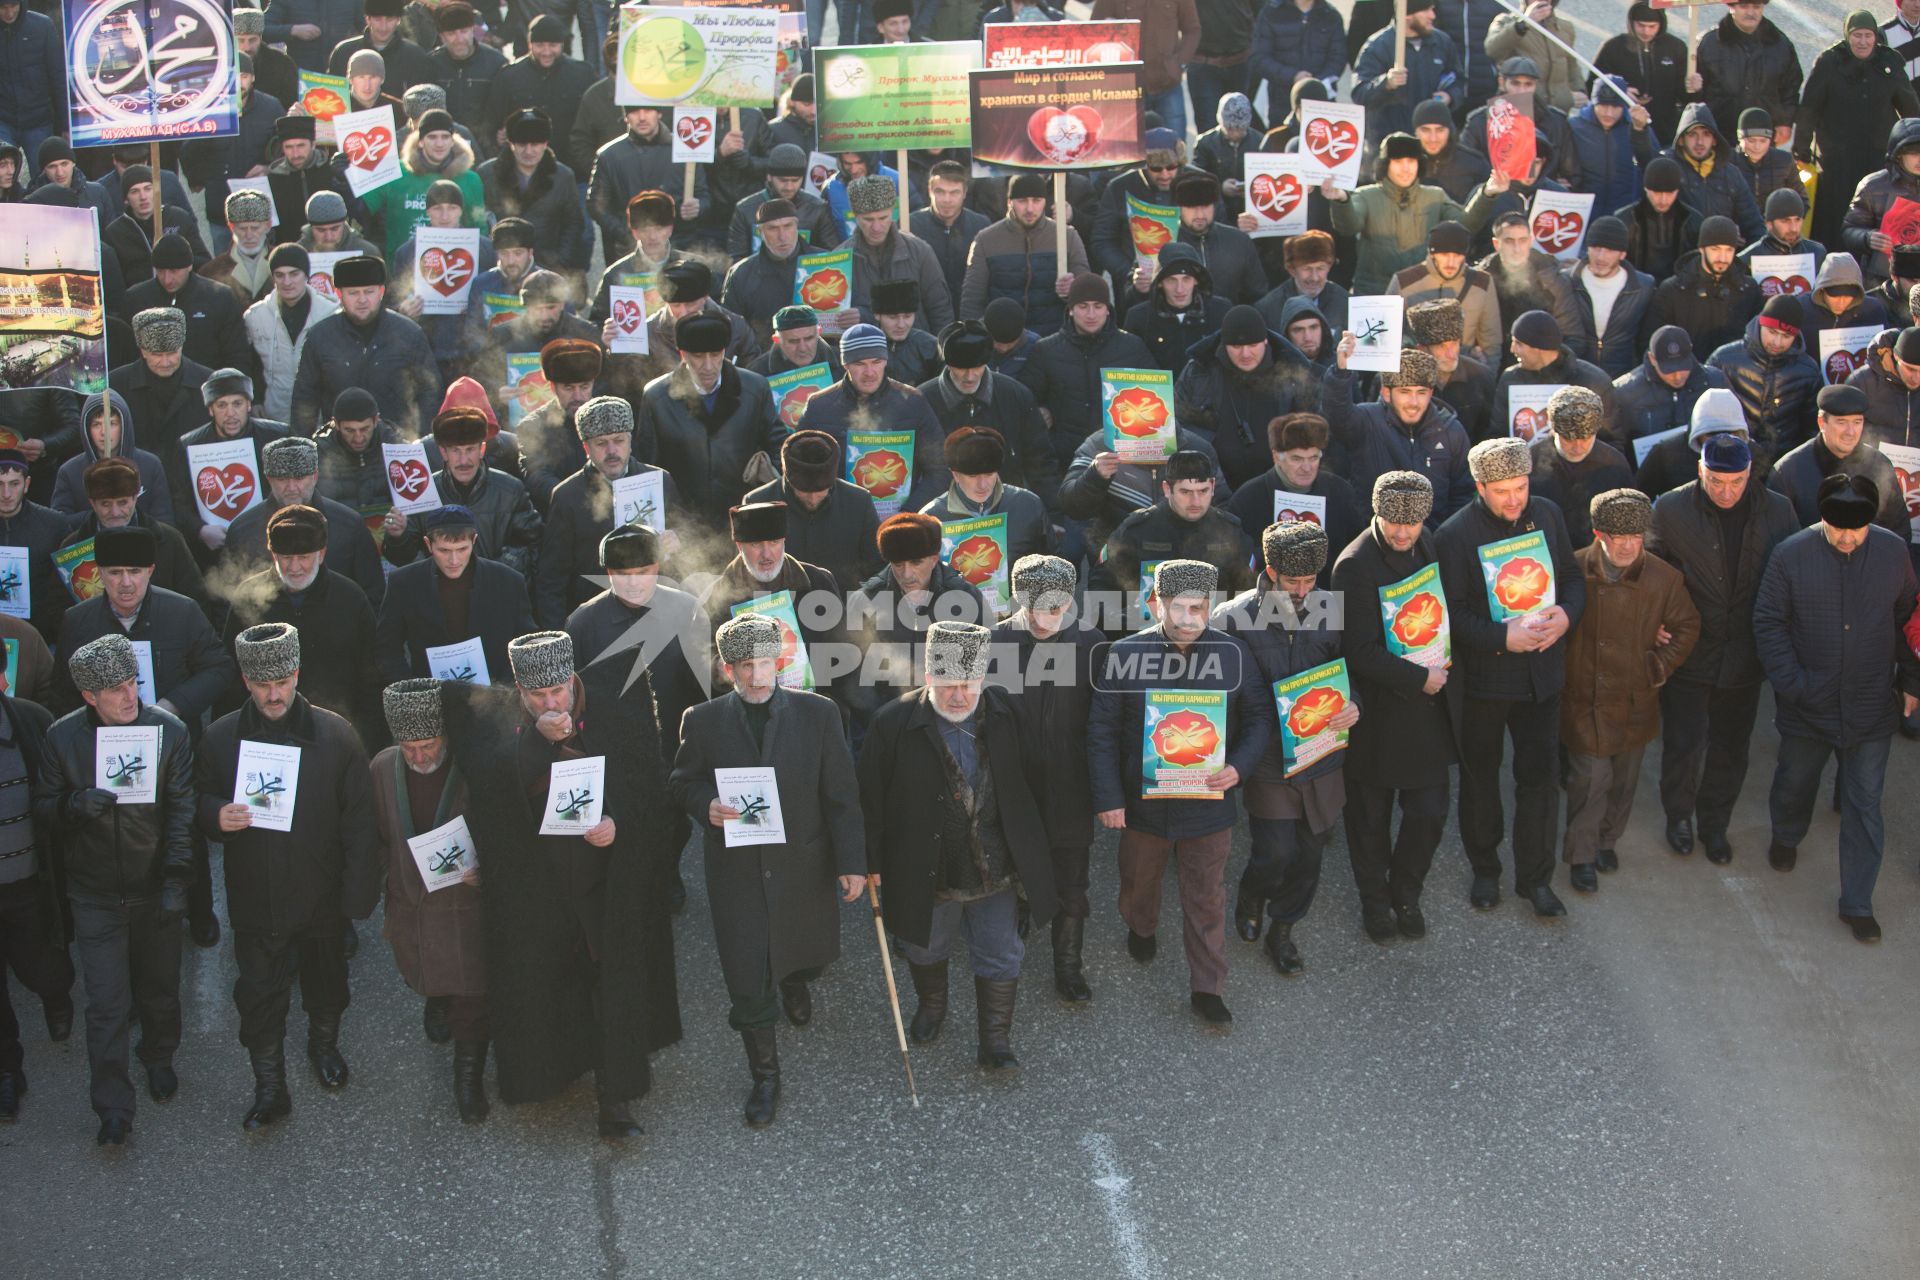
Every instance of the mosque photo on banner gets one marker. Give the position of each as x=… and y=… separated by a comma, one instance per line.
x=52, y=315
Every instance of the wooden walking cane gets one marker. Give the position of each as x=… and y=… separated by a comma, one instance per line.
x=893, y=992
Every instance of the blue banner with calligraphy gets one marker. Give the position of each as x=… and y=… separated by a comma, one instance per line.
x=150, y=71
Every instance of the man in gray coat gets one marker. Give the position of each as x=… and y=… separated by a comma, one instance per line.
x=882, y=251
x=771, y=888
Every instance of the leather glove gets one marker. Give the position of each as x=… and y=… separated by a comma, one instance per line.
x=94, y=802
x=173, y=901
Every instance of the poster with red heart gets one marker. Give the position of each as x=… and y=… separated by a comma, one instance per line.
x=1527, y=409
x=367, y=143
x=1559, y=220
x=445, y=260
x=1510, y=139
x=693, y=134
x=1844, y=350
x=1057, y=117
x=1901, y=222
x=226, y=480
x=1906, y=469
x=1276, y=195
x=627, y=307
x=1331, y=138
x=320, y=273
x=409, y=479
x=1782, y=272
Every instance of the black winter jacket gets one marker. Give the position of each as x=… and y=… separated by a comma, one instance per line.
x=132, y=849
x=1686, y=532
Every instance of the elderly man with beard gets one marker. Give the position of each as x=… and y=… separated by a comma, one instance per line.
x=1637, y=630
x=243, y=267
x=796, y=344
x=1466, y=384
x=1404, y=430
x=366, y=344
x=957, y=865
x=1445, y=275
x=291, y=469
x=437, y=937
x=228, y=395
x=1514, y=666
x=289, y=892
x=331, y=611
x=760, y=571
x=1571, y=464
x=1290, y=627
x=1406, y=746
x=1044, y=659
x=579, y=951
x=775, y=918
x=1013, y=258
x=451, y=597
x=896, y=607
x=126, y=867
x=582, y=512
x=550, y=448
x=1180, y=652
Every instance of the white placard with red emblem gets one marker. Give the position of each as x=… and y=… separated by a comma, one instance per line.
x=409, y=478
x=1332, y=140
x=1299, y=508
x=369, y=148
x=820, y=170
x=628, y=310
x=1906, y=468
x=1559, y=221
x=1276, y=193
x=1782, y=272
x=226, y=480
x=1844, y=350
x=445, y=261
x=320, y=272
x=1527, y=409
x=694, y=130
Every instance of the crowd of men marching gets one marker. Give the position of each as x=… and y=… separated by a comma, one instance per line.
x=956, y=757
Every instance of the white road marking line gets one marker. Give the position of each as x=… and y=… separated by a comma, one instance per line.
x=1138, y=1265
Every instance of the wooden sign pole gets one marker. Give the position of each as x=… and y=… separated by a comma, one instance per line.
x=159, y=204
x=1060, y=222
x=1399, y=35
x=904, y=203
x=686, y=191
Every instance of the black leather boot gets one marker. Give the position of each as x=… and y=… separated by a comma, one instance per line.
x=796, y=1001
x=994, y=1003
x=59, y=1018
x=616, y=1120
x=1069, y=979
x=930, y=985
x=433, y=1019
x=763, y=1060
x=469, y=1079
x=270, y=1098
x=323, y=1050
x=1282, y=951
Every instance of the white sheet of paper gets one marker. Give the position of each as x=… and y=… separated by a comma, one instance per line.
x=1333, y=149
x=575, y=795
x=445, y=261
x=409, y=478
x=755, y=792
x=1527, y=409
x=1559, y=221
x=1376, y=321
x=16, y=583
x=226, y=480
x=372, y=152
x=695, y=129
x=444, y=854
x=143, y=663
x=126, y=761
x=641, y=499
x=1276, y=192
x=627, y=304
x=1293, y=508
x=465, y=662
x=320, y=273
x=266, y=778
x=1645, y=444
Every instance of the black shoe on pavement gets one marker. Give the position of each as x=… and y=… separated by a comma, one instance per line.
x=1378, y=922
x=1413, y=925
x=930, y=987
x=1606, y=860
x=1781, y=857
x=1582, y=876
x=763, y=1064
x=59, y=1019
x=1485, y=894
x=434, y=1019
x=1211, y=1007
x=469, y=1080
x=1142, y=947
x=1719, y=852
x=1545, y=901
x=1069, y=971
x=1280, y=950
x=162, y=1083
x=113, y=1132
x=796, y=1000
x=270, y=1097
x=1247, y=910
x=323, y=1051
x=1865, y=928
x=1680, y=835
x=616, y=1122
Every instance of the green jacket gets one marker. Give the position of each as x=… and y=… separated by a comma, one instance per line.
x=1390, y=226
x=401, y=205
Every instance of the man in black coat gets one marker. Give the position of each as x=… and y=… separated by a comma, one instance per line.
x=967, y=393
x=892, y=612
x=1064, y=370
x=215, y=335
x=302, y=857
x=760, y=572
x=1541, y=357
x=126, y=864
x=366, y=344
x=775, y=915
x=331, y=611
x=1297, y=443
x=1719, y=531
x=1659, y=395
x=1510, y=612
x=1183, y=525
x=962, y=860
x=706, y=422
x=529, y=181
x=831, y=521
x=1773, y=375
x=1710, y=294
x=291, y=468
x=1660, y=226
x=1571, y=464
x=760, y=284
x=507, y=525
x=38, y=530
x=112, y=490
x=228, y=396
x=130, y=236
x=1838, y=690
x=162, y=387
x=1398, y=659
x=441, y=604
x=550, y=448
x=579, y=947
x=34, y=918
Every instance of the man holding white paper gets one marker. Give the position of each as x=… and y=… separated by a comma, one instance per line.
x=775, y=920
x=284, y=785
x=452, y=598
x=116, y=783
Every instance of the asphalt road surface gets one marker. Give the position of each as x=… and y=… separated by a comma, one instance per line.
x=1698, y=1073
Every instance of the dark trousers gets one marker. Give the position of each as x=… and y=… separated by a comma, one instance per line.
x=1535, y=730
x=43, y=968
x=758, y=1010
x=1070, y=881
x=1862, y=770
x=467, y=1017
x=1705, y=734
x=1390, y=871
x=1284, y=867
x=130, y=959
x=269, y=963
